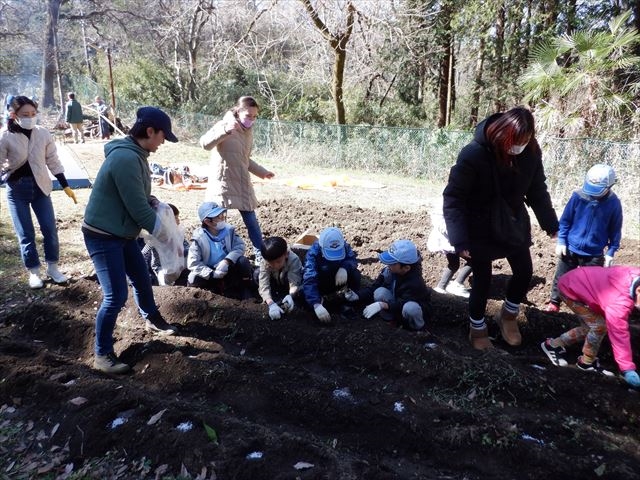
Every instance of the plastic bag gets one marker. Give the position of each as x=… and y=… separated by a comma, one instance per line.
x=169, y=243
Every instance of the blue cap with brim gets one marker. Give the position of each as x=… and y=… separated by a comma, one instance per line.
x=332, y=244
x=401, y=251
x=210, y=210
x=599, y=178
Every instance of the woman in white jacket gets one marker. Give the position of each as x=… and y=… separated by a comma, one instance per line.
x=29, y=153
x=230, y=141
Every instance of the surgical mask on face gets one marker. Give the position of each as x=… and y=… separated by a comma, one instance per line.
x=246, y=123
x=221, y=226
x=517, y=149
x=27, y=122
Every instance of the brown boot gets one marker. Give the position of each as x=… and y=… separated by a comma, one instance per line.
x=479, y=338
x=509, y=327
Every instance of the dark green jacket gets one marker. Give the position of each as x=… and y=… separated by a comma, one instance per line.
x=119, y=201
x=74, y=112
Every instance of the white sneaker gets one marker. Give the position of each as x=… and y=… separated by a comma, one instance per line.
x=457, y=289
x=439, y=290
x=55, y=274
x=35, y=281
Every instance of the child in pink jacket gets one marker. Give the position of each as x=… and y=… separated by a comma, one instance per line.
x=603, y=298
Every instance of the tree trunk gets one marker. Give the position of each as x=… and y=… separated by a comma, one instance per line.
x=498, y=102
x=49, y=55
x=338, y=44
x=477, y=83
x=446, y=66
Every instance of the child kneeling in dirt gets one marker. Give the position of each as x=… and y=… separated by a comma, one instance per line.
x=279, y=276
x=399, y=293
x=330, y=266
x=216, y=258
x=603, y=298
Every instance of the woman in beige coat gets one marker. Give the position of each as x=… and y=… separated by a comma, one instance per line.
x=230, y=141
x=29, y=153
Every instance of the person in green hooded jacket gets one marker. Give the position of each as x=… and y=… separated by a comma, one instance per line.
x=119, y=207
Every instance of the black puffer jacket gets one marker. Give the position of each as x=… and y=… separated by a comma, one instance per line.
x=470, y=190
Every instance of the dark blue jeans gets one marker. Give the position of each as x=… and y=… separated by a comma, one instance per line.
x=253, y=228
x=115, y=259
x=23, y=195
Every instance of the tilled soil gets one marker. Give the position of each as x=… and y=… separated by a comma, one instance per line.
x=238, y=396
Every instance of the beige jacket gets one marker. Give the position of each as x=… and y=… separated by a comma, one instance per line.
x=231, y=167
x=40, y=151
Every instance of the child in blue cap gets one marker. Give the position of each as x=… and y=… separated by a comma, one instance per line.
x=399, y=293
x=590, y=227
x=330, y=265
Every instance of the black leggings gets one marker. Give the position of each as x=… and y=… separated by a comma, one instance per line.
x=522, y=271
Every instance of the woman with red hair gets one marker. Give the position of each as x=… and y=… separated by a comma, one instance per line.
x=500, y=170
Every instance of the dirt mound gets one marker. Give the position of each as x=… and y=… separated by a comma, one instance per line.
x=238, y=396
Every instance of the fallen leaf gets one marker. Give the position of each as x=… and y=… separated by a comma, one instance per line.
x=54, y=429
x=303, y=465
x=46, y=468
x=600, y=470
x=78, y=401
x=41, y=435
x=154, y=419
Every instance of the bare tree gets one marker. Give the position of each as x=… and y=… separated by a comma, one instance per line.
x=338, y=42
x=50, y=60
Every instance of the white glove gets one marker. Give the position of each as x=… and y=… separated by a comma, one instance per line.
x=275, y=312
x=351, y=296
x=221, y=269
x=371, y=310
x=561, y=250
x=287, y=303
x=341, y=277
x=322, y=313
x=608, y=260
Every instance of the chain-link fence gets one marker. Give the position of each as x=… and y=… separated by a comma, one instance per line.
x=428, y=153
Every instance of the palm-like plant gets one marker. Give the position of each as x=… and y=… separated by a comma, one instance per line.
x=582, y=82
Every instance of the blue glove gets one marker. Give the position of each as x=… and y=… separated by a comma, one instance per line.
x=632, y=378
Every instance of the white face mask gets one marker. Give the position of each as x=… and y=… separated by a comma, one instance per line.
x=517, y=149
x=27, y=122
x=221, y=226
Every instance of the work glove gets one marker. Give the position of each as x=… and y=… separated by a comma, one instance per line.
x=221, y=269
x=287, y=303
x=275, y=312
x=608, y=260
x=322, y=313
x=632, y=378
x=341, y=277
x=351, y=296
x=370, y=310
x=70, y=194
x=561, y=250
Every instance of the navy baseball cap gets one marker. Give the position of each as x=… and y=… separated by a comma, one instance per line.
x=156, y=118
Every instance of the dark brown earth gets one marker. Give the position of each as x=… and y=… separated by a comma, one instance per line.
x=359, y=399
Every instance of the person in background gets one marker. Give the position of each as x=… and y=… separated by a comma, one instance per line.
x=330, y=265
x=399, y=293
x=103, y=111
x=591, y=221
x=231, y=141
x=504, y=159
x=279, y=276
x=120, y=206
x=438, y=242
x=216, y=255
x=603, y=299
x=74, y=118
x=29, y=153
